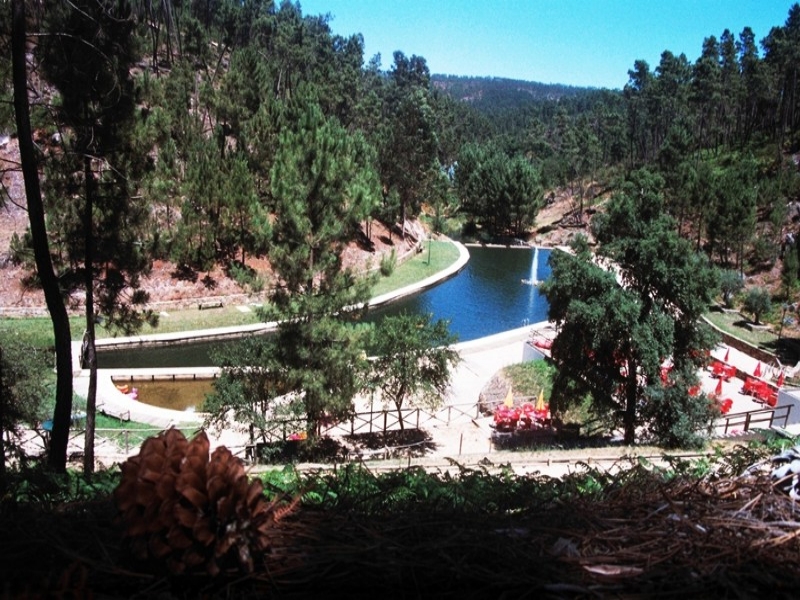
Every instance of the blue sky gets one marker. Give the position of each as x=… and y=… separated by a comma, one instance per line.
x=575, y=42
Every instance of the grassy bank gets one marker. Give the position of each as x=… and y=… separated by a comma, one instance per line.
x=734, y=324
x=435, y=256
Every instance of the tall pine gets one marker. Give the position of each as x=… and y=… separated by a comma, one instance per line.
x=97, y=220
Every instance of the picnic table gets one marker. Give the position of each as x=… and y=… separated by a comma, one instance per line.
x=761, y=391
x=723, y=371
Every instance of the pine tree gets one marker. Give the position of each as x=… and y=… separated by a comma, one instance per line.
x=323, y=185
x=93, y=210
x=57, y=458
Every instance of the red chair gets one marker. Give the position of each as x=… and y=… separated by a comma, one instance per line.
x=526, y=416
x=717, y=369
x=772, y=399
x=728, y=372
x=725, y=406
x=506, y=418
x=763, y=392
x=750, y=386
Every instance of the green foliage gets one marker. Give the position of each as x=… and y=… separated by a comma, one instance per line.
x=413, y=361
x=676, y=419
x=501, y=193
x=23, y=392
x=322, y=184
x=763, y=252
x=531, y=377
x=97, y=222
x=37, y=486
x=757, y=301
x=356, y=489
x=730, y=284
x=246, y=277
x=613, y=338
x=388, y=263
x=790, y=270
x=249, y=388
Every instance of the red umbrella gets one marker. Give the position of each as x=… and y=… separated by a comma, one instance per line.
x=727, y=354
x=757, y=372
x=718, y=390
x=779, y=383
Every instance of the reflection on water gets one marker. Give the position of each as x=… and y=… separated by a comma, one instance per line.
x=492, y=294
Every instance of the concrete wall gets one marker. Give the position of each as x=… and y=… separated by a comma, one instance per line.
x=531, y=352
x=791, y=398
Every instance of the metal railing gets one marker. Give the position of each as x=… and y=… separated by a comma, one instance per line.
x=757, y=418
x=381, y=421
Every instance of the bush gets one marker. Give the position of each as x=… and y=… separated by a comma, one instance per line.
x=388, y=263
x=675, y=419
x=730, y=284
x=22, y=390
x=764, y=251
x=246, y=277
x=469, y=230
x=21, y=250
x=757, y=302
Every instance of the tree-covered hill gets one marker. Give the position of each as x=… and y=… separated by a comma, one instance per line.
x=498, y=92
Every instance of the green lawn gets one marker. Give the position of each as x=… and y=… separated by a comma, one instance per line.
x=435, y=257
x=129, y=434
x=37, y=331
x=733, y=323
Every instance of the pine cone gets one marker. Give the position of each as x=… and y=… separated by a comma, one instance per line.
x=191, y=513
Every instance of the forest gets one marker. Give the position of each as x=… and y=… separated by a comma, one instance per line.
x=214, y=133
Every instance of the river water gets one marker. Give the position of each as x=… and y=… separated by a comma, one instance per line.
x=495, y=292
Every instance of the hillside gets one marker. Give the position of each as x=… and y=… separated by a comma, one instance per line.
x=501, y=92
x=167, y=286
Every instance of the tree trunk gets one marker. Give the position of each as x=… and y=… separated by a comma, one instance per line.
x=400, y=416
x=631, y=396
x=57, y=458
x=2, y=430
x=91, y=354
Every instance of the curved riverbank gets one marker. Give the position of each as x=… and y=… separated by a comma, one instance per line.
x=113, y=402
x=235, y=331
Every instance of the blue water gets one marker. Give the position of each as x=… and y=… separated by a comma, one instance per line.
x=490, y=295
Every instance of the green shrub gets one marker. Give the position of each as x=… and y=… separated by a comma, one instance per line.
x=388, y=263
x=730, y=284
x=21, y=250
x=764, y=251
x=246, y=277
x=757, y=301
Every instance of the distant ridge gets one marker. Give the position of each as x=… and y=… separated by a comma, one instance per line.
x=498, y=91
